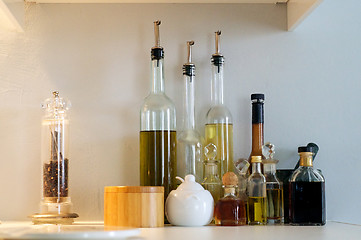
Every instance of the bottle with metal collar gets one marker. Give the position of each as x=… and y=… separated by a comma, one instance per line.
x=189, y=144
x=307, y=192
x=219, y=123
x=158, y=165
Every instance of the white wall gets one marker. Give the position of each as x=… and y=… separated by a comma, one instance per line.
x=98, y=57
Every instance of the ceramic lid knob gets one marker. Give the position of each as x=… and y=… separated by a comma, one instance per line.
x=190, y=184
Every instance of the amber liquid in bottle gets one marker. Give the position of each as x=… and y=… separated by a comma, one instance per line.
x=158, y=159
x=230, y=212
x=257, y=127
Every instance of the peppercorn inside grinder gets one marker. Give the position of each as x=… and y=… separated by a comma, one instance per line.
x=55, y=205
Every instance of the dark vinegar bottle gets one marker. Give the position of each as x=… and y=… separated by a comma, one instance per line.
x=307, y=193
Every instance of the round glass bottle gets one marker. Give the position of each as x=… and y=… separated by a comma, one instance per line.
x=158, y=166
x=230, y=210
x=189, y=142
x=219, y=123
x=55, y=206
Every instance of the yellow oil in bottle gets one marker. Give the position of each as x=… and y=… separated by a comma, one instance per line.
x=257, y=211
x=274, y=205
x=221, y=135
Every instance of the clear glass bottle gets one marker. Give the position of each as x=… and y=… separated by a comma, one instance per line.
x=55, y=205
x=274, y=187
x=219, y=123
x=189, y=142
x=307, y=192
x=257, y=126
x=230, y=210
x=158, y=165
x=257, y=197
x=211, y=181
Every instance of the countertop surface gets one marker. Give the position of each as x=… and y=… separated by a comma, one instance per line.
x=332, y=230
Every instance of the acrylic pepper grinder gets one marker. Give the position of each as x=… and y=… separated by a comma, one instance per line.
x=55, y=205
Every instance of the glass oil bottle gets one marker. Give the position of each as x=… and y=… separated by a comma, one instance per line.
x=257, y=196
x=257, y=126
x=274, y=187
x=55, y=205
x=230, y=210
x=219, y=125
x=211, y=181
x=189, y=142
x=307, y=192
x=158, y=128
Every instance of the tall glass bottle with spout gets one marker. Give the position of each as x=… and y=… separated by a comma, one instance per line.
x=219, y=125
x=158, y=128
x=189, y=145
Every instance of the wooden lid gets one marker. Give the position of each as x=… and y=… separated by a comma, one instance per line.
x=133, y=189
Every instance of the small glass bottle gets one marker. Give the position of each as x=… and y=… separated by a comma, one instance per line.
x=257, y=126
x=219, y=123
x=55, y=206
x=211, y=181
x=257, y=197
x=307, y=192
x=230, y=210
x=273, y=187
x=189, y=142
x=158, y=164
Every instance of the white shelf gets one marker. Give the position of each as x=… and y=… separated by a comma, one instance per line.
x=12, y=11
x=11, y=15
x=332, y=230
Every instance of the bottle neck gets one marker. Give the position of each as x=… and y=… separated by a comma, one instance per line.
x=217, y=84
x=229, y=190
x=257, y=127
x=306, y=159
x=256, y=168
x=157, y=76
x=269, y=168
x=189, y=118
x=257, y=139
x=211, y=169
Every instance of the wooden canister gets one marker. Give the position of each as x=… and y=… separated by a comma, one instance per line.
x=134, y=206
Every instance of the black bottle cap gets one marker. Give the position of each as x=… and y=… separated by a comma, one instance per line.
x=305, y=149
x=258, y=96
x=217, y=59
x=189, y=69
x=157, y=53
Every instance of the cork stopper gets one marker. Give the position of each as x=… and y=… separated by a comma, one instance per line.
x=230, y=178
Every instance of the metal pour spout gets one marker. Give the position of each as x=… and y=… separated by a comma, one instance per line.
x=156, y=33
x=189, y=46
x=218, y=45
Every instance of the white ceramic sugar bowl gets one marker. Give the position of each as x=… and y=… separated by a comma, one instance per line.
x=190, y=204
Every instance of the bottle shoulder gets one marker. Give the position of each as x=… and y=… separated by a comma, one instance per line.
x=190, y=136
x=256, y=177
x=157, y=102
x=307, y=174
x=219, y=114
